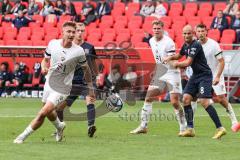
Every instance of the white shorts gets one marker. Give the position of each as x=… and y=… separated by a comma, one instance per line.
x=220, y=88
x=52, y=96
x=173, y=78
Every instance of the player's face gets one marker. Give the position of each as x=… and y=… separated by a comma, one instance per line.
x=68, y=33
x=80, y=31
x=188, y=35
x=201, y=34
x=157, y=31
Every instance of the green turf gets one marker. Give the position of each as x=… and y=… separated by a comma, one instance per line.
x=112, y=141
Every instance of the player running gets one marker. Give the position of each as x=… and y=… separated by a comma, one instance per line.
x=162, y=46
x=200, y=83
x=213, y=54
x=63, y=56
x=79, y=84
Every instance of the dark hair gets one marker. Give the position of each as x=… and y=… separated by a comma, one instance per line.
x=201, y=26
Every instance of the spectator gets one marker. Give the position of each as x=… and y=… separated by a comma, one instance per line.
x=147, y=8
x=113, y=77
x=33, y=8
x=160, y=10
x=100, y=77
x=236, y=25
x=6, y=7
x=88, y=12
x=59, y=8
x=219, y=22
x=18, y=6
x=103, y=8
x=19, y=78
x=47, y=8
x=131, y=76
x=231, y=9
x=5, y=78
x=21, y=20
x=69, y=9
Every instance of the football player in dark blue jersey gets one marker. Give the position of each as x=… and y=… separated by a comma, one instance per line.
x=80, y=86
x=200, y=83
x=5, y=79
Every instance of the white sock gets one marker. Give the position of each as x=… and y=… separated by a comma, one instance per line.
x=194, y=106
x=231, y=114
x=57, y=123
x=181, y=119
x=145, y=114
x=26, y=132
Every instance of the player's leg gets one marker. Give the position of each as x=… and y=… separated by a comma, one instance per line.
x=91, y=115
x=175, y=101
x=152, y=92
x=205, y=94
x=220, y=91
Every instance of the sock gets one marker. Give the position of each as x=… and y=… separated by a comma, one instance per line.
x=26, y=132
x=57, y=123
x=145, y=114
x=91, y=114
x=189, y=116
x=194, y=106
x=60, y=115
x=214, y=116
x=181, y=119
x=231, y=114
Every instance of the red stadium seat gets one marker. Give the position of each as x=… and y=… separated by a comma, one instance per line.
x=176, y=6
x=37, y=37
x=206, y=6
x=167, y=21
x=64, y=18
x=191, y=13
x=204, y=13
x=226, y=43
x=134, y=5
x=25, y=43
x=180, y=20
x=109, y=31
x=51, y=18
x=173, y=13
x=10, y=30
x=229, y=34
x=171, y=33
x=9, y=36
x=108, y=37
x=119, y=6
x=219, y=6
x=119, y=25
x=48, y=38
x=95, y=31
x=207, y=21
x=94, y=37
x=22, y=36
x=150, y=19
x=137, y=38
x=39, y=43
x=132, y=26
x=104, y=25
x=1, y=32
x=38, y=19
x=51, y=30
x=107, y=19
x=11, y=42
x=137, y=31
x=191, y=6
x=120, y=31
x=193, y=21
x=123, y=37
x=122, y=19
x=1, y=42
x=214, y=34
x=115, y=13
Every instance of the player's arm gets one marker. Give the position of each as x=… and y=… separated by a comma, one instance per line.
x=44, y=65
x=88, y=78
x=187, y=62
x=221, y=64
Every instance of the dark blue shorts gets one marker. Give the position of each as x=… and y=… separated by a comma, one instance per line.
x=78, y=90
x=200, y=85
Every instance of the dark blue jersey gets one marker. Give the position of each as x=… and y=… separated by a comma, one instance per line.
x=19, y=75
x=91, y=56
x=5, y=76
x=195, y=51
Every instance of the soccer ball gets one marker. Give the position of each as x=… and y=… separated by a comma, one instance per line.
x=114, y=103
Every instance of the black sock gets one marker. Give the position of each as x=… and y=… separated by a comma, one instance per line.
x=91, y=114
x=214, y=116
x=189, y=115
x=60, y=115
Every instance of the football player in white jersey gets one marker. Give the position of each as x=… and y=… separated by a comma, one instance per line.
x=215, y=60
x=162, y=46
x=59, y=63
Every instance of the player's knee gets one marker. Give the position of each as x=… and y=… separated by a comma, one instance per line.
x=175, y=103
x=41, y=115
x=205, y=102
x=221, y=99
x=90, y=100
x=149, y=100
x=186, y=101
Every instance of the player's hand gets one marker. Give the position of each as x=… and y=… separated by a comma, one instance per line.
x=216, y=81
x=44, y=71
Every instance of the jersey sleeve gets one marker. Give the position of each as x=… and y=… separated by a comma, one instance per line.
x=170, y=49
x=218, y=51
x=182, y=51
x=47, y=52
x=82, y=57
x=194, y=50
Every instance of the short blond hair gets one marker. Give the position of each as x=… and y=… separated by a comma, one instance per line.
x=158, y=22
x=69, y=23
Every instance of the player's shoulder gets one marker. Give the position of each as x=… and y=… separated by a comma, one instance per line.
x=54, y=42
x=168, y=39
x=88, y=45
x=151, y=40
x=77, y=48
x=196, y=44
x=212, y=42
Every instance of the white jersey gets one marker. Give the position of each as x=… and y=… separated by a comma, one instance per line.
x=213, y=53
x=63, y=62
x=163, y=48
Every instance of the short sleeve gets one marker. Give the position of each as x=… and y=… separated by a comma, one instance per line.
x=182, y=52
x=170, y=49
x=82, y=57
x=47, y=52
x=218, y=51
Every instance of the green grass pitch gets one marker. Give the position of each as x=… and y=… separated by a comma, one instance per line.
x=112, y=140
